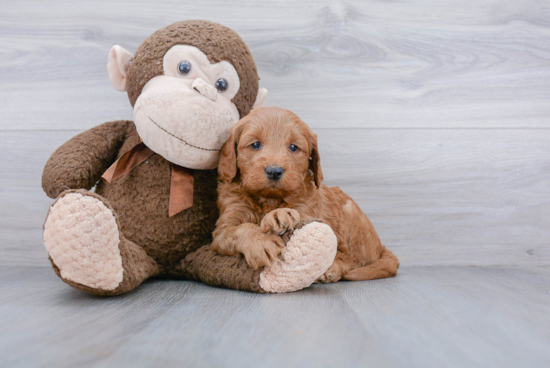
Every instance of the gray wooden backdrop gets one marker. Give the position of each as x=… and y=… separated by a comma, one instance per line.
x=434, y=115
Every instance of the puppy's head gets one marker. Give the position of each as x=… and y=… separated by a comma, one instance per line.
x=272, y=152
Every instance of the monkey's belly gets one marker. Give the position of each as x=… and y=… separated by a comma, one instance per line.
x=141, y=198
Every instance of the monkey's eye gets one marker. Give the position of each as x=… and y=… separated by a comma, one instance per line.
x=221, y=85
x=293, y=148
x=184, y=67
x=256, y=145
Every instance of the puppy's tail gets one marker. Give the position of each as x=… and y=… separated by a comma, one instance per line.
x=385, y=266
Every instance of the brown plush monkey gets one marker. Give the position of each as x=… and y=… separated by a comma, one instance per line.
x=156, y=205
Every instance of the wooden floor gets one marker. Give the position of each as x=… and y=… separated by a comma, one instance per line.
x=424, y=317
x=433, y=115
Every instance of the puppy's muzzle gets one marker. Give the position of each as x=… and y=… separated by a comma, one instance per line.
x=274, y=173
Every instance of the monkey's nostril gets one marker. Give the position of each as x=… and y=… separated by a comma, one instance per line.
x=274, y=173
x=205, y=89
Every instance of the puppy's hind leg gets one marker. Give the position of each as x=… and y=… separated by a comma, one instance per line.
x=385, y=266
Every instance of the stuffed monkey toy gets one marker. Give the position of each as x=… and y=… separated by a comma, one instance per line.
x=154, y=206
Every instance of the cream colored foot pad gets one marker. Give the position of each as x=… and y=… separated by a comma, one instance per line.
x=81, y=235
x=308, y=254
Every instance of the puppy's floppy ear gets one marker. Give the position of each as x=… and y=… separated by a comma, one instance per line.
x=227, y=167
x=315, y=160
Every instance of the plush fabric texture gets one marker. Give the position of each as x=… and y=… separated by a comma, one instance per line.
x=219, y=43
x=181, y=125
x=81, y=236
x=116, y=67
x=310, y=250
x=213, y=269
x=202, y=69
x=205, y=89
x=80, y=162
x=307, y=255
x=140, y=198
x=136, y=265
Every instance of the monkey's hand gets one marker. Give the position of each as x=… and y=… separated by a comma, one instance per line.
x=279, y=221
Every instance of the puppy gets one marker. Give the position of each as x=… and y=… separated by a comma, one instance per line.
x=270, y=179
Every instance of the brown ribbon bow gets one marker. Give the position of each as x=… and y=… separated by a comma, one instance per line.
x=181, y=184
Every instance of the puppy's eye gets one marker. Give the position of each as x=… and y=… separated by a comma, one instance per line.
x=293, y=148
x=184, y=67
x=256, y=145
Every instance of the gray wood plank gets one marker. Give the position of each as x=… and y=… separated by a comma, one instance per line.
x=462, y=197
x=424, y=317
x=347, y=63
x=436, y=196
x=459, y=317
x=23, y=204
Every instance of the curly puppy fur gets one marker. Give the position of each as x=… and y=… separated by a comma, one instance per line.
x=270, y=173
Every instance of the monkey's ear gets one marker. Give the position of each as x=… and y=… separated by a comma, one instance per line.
x=117, y=66
x=315, y=161
x=227, y=167
x=260, y=98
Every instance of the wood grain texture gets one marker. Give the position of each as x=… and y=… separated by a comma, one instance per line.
x=424, y=317
x=433, y=115
x=461, y=63
x=454, y=196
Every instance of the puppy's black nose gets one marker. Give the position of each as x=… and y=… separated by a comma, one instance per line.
x=274, y=173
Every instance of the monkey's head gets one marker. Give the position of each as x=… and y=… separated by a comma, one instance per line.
x=188, y=84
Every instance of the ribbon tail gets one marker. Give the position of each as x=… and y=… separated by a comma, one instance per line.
x=181, y=190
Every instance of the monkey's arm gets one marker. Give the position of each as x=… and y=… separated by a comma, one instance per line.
x=80, y=162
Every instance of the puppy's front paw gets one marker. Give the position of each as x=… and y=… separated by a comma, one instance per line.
x=262, y=250
x=280, y=220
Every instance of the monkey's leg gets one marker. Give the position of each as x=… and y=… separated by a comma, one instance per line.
x=309, y=252
x=87, y=249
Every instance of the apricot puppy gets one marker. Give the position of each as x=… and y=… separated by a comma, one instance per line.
x=270, y=173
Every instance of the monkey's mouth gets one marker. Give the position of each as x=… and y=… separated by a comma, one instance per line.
x=183, y=140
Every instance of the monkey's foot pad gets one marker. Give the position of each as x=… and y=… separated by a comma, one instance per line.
x=82, y=237
x=307, y=255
